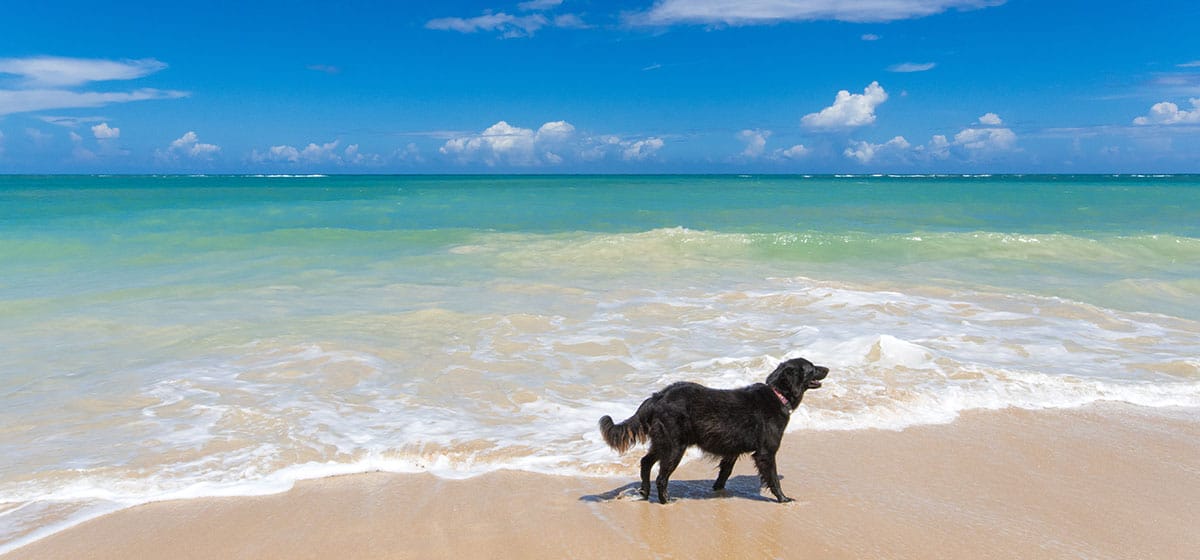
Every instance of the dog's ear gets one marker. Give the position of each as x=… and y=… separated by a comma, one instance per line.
x=787, y=378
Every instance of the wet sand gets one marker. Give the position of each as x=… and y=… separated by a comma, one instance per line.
x=1101, y=482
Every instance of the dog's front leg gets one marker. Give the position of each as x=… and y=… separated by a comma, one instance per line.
x=765, y=461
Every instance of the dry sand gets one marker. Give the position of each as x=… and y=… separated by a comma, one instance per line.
x=1103, y=482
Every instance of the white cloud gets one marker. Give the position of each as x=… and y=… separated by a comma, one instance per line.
x=499, y=143
x=75, y=137
x=38, y=137
x=849, y=109
x=909, y=67
x=189, y=145
x=503, y=143
x=509, y=26
x=864, y=152
x=640, y=150
x=752, y=12
x=938, y=147
x=535, y=5
x=408, y=154
x=104, y=132
x=56, y=72
x=314, y=154
x=69, y=122
x=1192, y=64
x=969, y=144
x=756, y=142
x=1170, y=113
x=557, y=130
x=795, y=152
x=986, y=139
x=990, y=119
x=22, y=101
x=570, y=21
x=553, y=143
x=870, y=37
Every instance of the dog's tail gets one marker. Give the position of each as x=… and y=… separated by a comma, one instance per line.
x=634, y=430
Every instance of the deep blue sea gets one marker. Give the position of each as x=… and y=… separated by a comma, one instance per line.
x=178, y=336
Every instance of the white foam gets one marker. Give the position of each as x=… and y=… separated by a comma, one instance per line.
x=458, y=394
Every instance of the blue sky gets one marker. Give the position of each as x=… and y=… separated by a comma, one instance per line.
x=549, y=86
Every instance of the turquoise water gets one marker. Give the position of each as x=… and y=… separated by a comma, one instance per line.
x=185, y=336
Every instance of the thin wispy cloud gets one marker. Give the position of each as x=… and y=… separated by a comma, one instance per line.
x=759, y=12
x=51, y=82
x=511, y=26
x=56, y=71
x=23, y=101
x=909, y=67
x=1192, y=64
x=537, y=5
x=325, y=68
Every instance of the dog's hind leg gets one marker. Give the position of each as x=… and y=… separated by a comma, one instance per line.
x=724, y=472
x=647, y=462
x=765, y=462
x=668, y=459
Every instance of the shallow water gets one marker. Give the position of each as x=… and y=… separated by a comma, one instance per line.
x=193, y=336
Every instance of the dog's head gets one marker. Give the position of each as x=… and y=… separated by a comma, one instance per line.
x=793, y=377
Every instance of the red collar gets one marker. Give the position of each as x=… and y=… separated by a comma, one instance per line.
x=782, y=398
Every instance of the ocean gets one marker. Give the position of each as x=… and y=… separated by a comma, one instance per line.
x=168, y=337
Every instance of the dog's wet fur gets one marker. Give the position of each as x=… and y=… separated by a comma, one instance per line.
x=722, y=423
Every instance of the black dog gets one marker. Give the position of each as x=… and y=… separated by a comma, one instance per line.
x=723, y=423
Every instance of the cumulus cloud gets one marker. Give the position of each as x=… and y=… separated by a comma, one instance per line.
x=1167, y=113
x=864, y=151
x=104, y=132
x=315, y=154
x=498, y=143
x=849, y=109
x=795, y=152
x=969, y=144
x=639, y=150
x=760, y=12
x=909, y=67
x=189, y=146
x=756, y=142
x=990, y=119
x=552, y=143
x=503, y=143
x=986, y=139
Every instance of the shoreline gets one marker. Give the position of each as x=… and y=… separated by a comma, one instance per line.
x=1104, y=481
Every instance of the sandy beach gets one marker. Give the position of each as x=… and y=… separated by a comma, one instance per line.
x=1102, y=482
